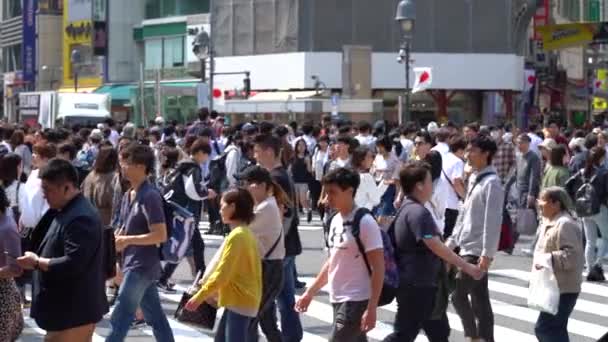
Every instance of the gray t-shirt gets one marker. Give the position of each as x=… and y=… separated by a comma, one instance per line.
x=145, y=210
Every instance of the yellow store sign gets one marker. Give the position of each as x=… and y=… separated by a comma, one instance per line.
x=78, y=42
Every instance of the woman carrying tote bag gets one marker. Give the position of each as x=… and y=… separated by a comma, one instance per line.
x=560, y=247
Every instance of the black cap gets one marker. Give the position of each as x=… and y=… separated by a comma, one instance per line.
x=254, y=174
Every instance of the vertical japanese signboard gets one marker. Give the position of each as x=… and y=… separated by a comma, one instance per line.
x=29, y=41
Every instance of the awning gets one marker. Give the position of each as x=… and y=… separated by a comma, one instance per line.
x=80, y=90
x=118, y=93
x=304, y=105
x=282, y=95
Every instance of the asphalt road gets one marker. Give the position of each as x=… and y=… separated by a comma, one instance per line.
x=514, y=321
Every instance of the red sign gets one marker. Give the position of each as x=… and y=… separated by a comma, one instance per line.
x=541, y=18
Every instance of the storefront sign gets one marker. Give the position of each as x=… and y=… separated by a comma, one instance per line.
x=29, y=41
x=573, y=34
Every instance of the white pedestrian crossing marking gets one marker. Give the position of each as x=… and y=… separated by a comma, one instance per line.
x=582, y=305
x=589, y=288
x=322, y=311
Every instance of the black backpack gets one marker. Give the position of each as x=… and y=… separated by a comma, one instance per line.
x=218, y=176
x=586, y=200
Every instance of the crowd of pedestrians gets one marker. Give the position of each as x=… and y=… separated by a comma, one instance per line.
x=83, y=211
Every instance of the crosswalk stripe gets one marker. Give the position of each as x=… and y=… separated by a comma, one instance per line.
x=176, y=297
x=528, y=315
x=501, y=334
x=324, y=312
x=582, y=305
x=588, y=288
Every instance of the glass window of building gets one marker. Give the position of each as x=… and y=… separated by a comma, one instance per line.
x=168, y=8
x=11, y=9
x=11, y=56
x=154, y=54
x=173, y=52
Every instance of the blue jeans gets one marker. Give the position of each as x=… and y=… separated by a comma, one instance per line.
x=291, y=326
x=233, y=327
x=137, y=290
x=554, y=328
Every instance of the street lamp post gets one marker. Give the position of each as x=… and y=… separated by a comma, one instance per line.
x=75, y=60
x=406, y=17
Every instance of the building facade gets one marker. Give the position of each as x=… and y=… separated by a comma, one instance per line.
x=31, y=45
x=472, y=46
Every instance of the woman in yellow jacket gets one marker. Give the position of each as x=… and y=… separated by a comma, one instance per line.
x=236, y=277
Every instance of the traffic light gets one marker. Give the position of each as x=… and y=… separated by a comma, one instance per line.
x=247, y=85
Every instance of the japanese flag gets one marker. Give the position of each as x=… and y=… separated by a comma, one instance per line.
x=424, y=79
x=529, y=79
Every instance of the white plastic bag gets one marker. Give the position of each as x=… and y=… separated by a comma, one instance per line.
x=543, y=293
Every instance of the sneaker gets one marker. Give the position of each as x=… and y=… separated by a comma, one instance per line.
x=138, y=323
x=112, y=294
x=166, y=288
x=309, y=216
x=596, y=274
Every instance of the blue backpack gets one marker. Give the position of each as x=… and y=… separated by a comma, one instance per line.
x=391, y=272
x=180, y=228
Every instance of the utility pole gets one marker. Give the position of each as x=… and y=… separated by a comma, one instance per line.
x=211, y=52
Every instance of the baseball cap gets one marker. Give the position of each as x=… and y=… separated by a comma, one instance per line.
x=548, y=143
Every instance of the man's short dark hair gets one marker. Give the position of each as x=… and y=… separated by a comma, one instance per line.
x=485, y=144
x=307, y=128
x=457, y=143
x=203, y=113
x=412, y=173
x=426, y=136
x=139, y=154
x=69, y=149
x=365, y=127
x=267, y=141
x=200, y=145
x=266, y=127
x=524, y=137
x=206, y=132
x=590, y=141
x=59, y=171
x=474, y=126
x=344, y=178
x=442, y=134
x=554, y=121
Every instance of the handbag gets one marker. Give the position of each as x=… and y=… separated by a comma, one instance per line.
x=543, y=293
x=526, y=221
x=205, y=314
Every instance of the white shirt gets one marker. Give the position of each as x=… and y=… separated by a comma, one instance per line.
x=366, y=140
x=11, y=193
x=232, y=163
x=348, y=278
x=318, y=161
x=369, y=194
x=436, y=205
x=267, y=227
x=408, y=148
x=114, y=136
x=535, y=141
x=386, y=169
x=8, y=146
x=442, y=148
x=453, y=167
x=310, y=142
x=33, y=205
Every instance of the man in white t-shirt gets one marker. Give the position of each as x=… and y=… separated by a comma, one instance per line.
x=354, y=290
x=453, y=174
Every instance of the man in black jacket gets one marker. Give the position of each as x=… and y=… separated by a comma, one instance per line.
x=68, y=286
x=186, y=188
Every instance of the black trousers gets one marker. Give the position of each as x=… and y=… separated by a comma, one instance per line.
x=475, y=313
x=198, y=250
x=315, y=192
x=414, y=307
x=451, y=216
x=272, y=282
